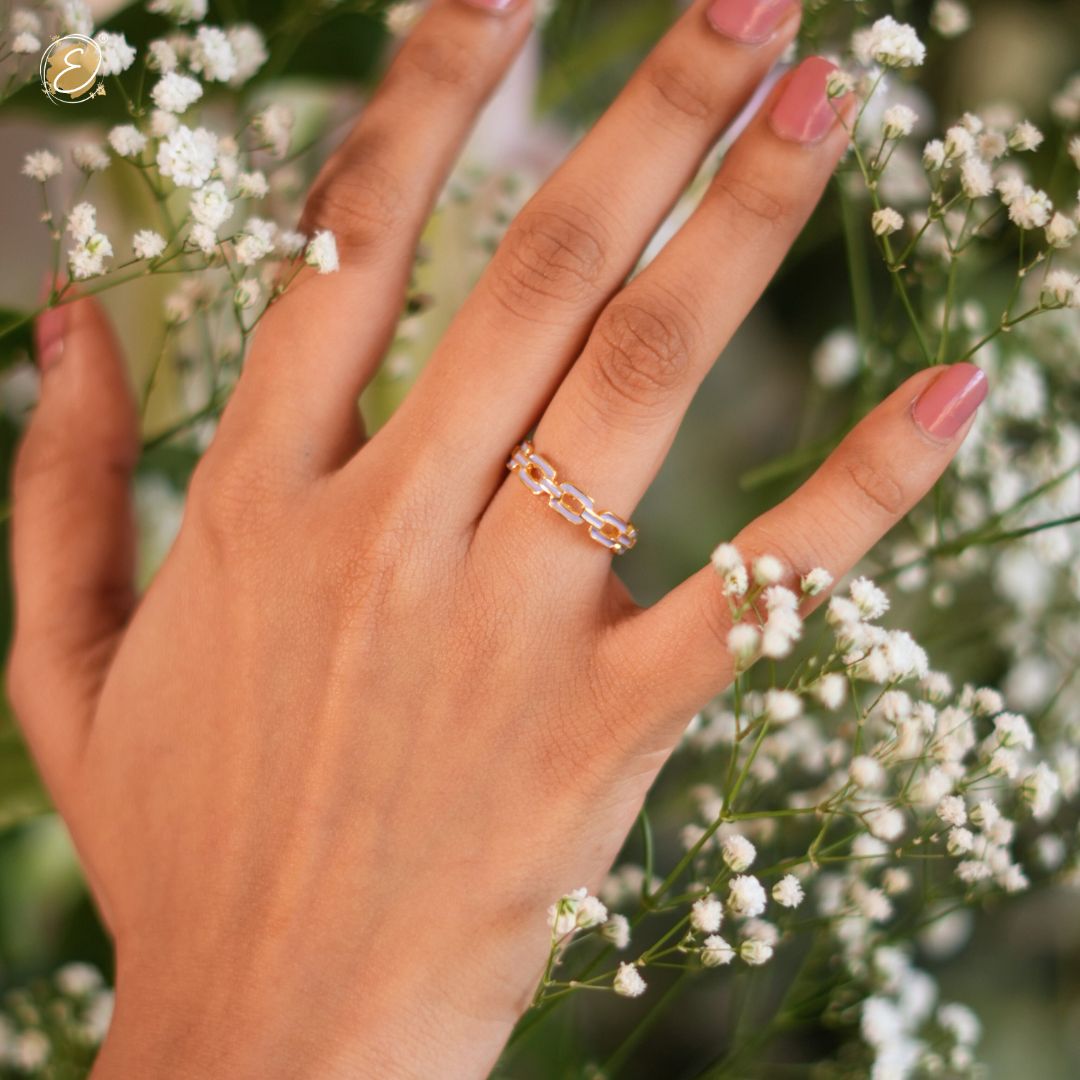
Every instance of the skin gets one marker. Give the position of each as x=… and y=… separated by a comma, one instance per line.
x=380, y=707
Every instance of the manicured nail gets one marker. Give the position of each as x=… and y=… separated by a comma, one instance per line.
x=49, y=333
x=947, y=404
x=493, y=5
x=751, y=22
x=804, y=112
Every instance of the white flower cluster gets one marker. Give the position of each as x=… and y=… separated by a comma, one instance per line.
x=40, y=1028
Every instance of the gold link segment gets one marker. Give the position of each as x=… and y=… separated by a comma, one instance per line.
x=539, y=476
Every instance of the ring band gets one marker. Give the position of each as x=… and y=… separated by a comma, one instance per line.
x=539, y=476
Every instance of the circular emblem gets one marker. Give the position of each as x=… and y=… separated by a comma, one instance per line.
x=69, y=69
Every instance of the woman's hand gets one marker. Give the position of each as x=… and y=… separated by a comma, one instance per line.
x=381, y=707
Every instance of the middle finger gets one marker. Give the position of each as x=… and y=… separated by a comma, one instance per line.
x=579, y=237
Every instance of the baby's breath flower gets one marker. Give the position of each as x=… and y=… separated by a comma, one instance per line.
x=952, y=810
x=746, y=896
x=898, y=121
x=210, y=205
x=25, y=43
x=25, y=21
x=90, y=157
x=275, y=124
x=738, y=853
x=716, y=952
x=959, y=143
x=950, y=18
x=162, y=123
x=887, y=221
x=934, y=155
x=768, y=570
x=961, y=841
x=127, y=140
x=782, y=629
x=743, y=642
x=976, y=178
x=886, y=823
x=628, y=981
x=290, y=242
x=116, y=54
x=1062, y=288
x=181, y=11
x=249, y=50
x=187, y=156
x=1040, y=789
x=892, y=44
x=1025, y=137
x=322, y=252
x=1061, y=231
x=87, y=259
x=871, y=601
x=176, y=93
x=246, y=294
x=147, y=244
x=212, y=55
x=1012, y=730
x=816, y=582
x=728, y=563
x=251, y=185
x=163, y=57
x=78, y=980
x=838, y=83
x=866, y=772
x=42, y=165
x=1030, y=209
x=782, y=706
x=82, y=221
x=75, y=17
x=755, y=952
x=831, y=690
x=562, y=917
x=1074, y=150
x=788, y=892
x=706, y=915
x=617, y=931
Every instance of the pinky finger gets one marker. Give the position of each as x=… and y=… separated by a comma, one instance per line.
x=882, y=469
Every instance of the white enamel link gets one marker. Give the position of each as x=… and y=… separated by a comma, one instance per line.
x=539, y=476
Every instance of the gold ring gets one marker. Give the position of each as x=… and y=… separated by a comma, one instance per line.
x=539, y=476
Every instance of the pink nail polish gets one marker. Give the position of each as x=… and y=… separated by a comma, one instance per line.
x=751, y=22
x=947, y=404
x=804, y=113
x=49, y=333
x=493, y=5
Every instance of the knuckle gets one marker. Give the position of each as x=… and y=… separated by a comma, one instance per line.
x=752, y=201
x=875, y=484
x=360, y=200
x=553, y=252
x=640, y=354
x=680, y=90
x=441, y=60
x=229, y=500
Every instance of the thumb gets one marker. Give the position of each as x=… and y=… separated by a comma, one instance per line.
x=883, y=467
x=73, y=537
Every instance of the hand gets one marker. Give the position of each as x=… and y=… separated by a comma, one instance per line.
x=380, y=707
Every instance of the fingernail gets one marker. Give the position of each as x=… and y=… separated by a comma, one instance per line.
x=750, y=22
x=804, y=112
x=49, y=333
x=947, y=404
x=493, y=5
